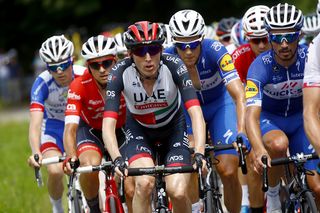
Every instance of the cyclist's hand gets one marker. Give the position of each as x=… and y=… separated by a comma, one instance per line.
x=245, y=142
x=258, y=165
x=200, y=162
x=120, y=167
x=69, y=164
x=32, y=161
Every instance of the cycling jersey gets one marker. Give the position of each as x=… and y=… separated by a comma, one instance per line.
x=158, y=109
x=51, y=99
x=279, y=88
x=215, y=71
x=312, y=69
x=86, y=101
x=242, y=58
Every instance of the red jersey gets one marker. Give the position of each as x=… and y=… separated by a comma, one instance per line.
x=86, y=101
x=242, y=57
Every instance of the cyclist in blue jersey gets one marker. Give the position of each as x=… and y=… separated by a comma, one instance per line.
x=274, y=99
x=219, y=91
x=48, y=103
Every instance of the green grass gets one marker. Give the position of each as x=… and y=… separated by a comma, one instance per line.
x=18, y=189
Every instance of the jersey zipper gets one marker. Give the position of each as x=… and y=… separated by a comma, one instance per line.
x=289, y=94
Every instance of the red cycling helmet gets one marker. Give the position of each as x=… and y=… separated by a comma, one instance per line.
x=143, y=33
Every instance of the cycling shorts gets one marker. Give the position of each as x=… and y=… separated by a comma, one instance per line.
x=52, y=136
x=292, y=126
x=89, y=138
x=172, y=139
x=221, y=118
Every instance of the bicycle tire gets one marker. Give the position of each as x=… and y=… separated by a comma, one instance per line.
x=113, y=205
x=209, y=206
x=309, y=205
x=77, y=202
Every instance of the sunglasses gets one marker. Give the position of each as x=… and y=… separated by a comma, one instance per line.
x=63, y=66
x=143, y=50
x=191, y=45
x=104, y=64
x=259, y=40
x=287, y=37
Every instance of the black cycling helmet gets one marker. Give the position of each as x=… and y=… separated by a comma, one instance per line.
x=225, y=25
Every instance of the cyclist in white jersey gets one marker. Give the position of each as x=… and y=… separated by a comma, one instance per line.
x=48, y=103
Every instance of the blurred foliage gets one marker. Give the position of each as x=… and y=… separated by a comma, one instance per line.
x=25, y=24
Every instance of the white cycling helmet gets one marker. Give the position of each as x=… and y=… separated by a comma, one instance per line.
x=284, y=16
x=56, y=49
x=118, y=39
x=253, y=21
x=168, y=37
x=311, y=25
x=98, y=46
x=187, y=23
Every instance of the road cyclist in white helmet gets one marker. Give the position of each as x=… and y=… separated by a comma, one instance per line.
x=48, y=103
x=219, y=90
x=122, y=51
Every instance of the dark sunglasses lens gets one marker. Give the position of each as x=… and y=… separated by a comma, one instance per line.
x=226, y=39
x=94, y=65
x=287, y=37
x=62, y=67
x=191, y=45
x=142, y=51
x=107, y=63
x=139, y=51
x=153, y=50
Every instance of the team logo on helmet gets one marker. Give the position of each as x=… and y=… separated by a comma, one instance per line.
x=226, y=63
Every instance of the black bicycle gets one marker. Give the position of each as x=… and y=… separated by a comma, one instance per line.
x=298, y=197
x=209, y=191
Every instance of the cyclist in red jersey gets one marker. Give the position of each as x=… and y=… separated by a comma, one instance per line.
x=84, y=113
x=243, y=56
x=257, y=36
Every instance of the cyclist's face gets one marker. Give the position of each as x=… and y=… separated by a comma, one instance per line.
x=100, y=68
x=63, y=77
x=188, y=49
x=284, y=43
x=259, y=45
x=147, y=61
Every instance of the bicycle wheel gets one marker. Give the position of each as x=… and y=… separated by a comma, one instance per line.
x=209, y=206
x=77, y=202
x=112, y=205
x=308, y=203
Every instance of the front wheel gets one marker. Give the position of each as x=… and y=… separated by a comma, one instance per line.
x=308, y=203
x=209, y=206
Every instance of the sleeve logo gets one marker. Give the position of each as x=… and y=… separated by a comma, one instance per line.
x=251, y=89
x=226, y=63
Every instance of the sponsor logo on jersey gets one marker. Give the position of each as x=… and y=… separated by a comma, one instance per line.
x=117, y=65
x=173, y=59
x=239, y=52
x=251, y=89
x=156, y=95
x=175, y=158
x=111, y=94
x=111, y=78
x=187, y=83
x=182, y=70
x=284, y=90
x=73, y=95
x=275, y=68
x=71, y=107
x=216, y=46
x=95, y=102
x=267, y=59
x=226, y=63
x=151, y=106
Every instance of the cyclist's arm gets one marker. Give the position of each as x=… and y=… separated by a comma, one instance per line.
x=253, y=128
x=35, y=125
x=198, y=126
x=69, y=139
x=311, y=109
x=109, y=137
x=236, y=90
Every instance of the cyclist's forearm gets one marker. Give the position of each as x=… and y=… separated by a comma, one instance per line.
x=253, y=128
x=35, y=132
x=69, y=141
x=312, y=126
x=109, y=137
x=198, y=126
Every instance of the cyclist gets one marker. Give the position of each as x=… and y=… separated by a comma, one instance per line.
x=311, y=27
x=274, y=99
x=154, y=85
x=217, y=85
x=122, y=51
x=48, y=103
x=84, y=113
x=237, y=34
x=243, y=56
x=224, y=32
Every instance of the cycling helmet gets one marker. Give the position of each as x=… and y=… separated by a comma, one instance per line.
x=311, y=25
x=225, y=25
x=284, y=16
x=56, y=49
x=98, y=46
x=118, y=39
x=168, y=41
x=187, y=23
x=210, y=32
x=237, y=34
x=253, y=21
x=143, y=33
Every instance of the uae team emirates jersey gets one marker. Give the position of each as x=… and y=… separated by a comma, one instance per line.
x=157, y=109
x=86, y=101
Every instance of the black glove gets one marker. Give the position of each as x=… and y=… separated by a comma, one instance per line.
x=120, y=163
x=318, y=168
x=198, y=157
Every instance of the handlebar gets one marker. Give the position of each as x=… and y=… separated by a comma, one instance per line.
x=159, y=170
x=37, y=172
x=242, y=160
x=87, y=169
x=298, y=158
x=265, y=182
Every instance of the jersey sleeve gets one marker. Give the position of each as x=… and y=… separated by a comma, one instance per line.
x=181, y=78
x=312, y=67
x=237, y=60
x=114, y=92
x=74, y=102
x=256, y=80
x=39, y=93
